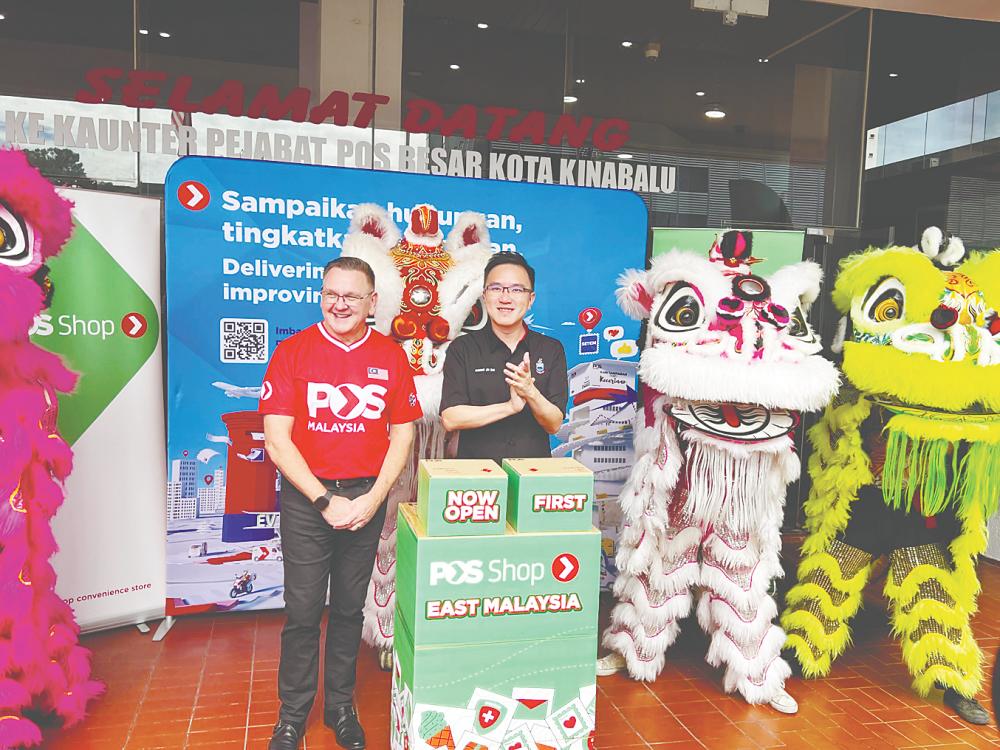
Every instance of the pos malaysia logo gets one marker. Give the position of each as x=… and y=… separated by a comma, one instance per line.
x=346, y=401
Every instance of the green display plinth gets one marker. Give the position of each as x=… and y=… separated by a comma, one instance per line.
x=496, y=632
x=462, y=497
x=497, y=588
x=529, y=694
x=549, y=494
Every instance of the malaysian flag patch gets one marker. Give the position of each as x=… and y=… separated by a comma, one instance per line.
x=378, y=373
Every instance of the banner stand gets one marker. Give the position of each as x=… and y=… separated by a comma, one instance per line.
x=162, y=630
x=104, y=322
x=246, y=244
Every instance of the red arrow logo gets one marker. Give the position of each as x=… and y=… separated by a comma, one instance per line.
x=594, y=394
x=134, y=325
x=264, y=553
x=565, y=567
x=193, y=195
x=589, y=317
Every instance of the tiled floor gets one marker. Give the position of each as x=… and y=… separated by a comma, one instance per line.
x=212, y=683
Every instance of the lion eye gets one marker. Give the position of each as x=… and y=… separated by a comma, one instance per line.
x=886, y=302
x=797, y=327
x=15, y=239
x=684, y=313
x=681, y=310
x=889, y=307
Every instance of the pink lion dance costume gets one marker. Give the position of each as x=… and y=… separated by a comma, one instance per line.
x=428, y=293
x=729, y=360
x=43, y=670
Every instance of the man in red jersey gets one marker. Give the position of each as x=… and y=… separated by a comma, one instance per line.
x=339, y=404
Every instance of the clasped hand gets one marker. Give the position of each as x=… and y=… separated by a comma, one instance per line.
x=351, y=515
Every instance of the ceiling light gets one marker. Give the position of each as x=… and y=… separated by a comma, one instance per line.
x=699, y=93
x=714, y=112
x=2, y=16
x=581, y=80
x=569, y=99
x=453, y=66
x=143, y=31
x=763, y=60
x=894, y=75
x=624, y=156
x=482, y=25
x=165, y=34
x=626, y=43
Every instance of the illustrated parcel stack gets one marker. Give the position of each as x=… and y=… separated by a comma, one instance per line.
x=496, y=626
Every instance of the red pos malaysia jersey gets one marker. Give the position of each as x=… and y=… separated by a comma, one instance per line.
x=343, y=398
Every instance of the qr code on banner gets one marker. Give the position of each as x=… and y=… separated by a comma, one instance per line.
x=243, y=340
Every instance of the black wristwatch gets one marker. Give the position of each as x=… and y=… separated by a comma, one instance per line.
x=323, y=501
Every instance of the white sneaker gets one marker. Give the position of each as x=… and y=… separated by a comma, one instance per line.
x=610, y=664
x=784, y=703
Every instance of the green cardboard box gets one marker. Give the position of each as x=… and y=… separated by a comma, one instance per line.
x=515, y=587
x=549, y=494
x=538, y=692
x=462, y=497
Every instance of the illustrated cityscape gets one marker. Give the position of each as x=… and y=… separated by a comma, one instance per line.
x=186, y=500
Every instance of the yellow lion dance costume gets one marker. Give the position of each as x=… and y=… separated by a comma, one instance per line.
x=906, y=462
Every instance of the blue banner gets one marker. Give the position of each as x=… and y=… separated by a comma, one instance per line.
x=246, y=242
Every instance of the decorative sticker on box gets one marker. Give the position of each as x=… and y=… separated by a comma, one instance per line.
x=499, y=606
x=554, y=503
x=472, y=506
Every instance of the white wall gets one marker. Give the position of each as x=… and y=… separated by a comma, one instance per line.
x=993, y=550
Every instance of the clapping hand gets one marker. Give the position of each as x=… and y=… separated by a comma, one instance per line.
x=518, y=377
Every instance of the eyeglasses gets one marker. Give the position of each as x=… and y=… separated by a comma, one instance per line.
x=515, y=291
x=351, y=300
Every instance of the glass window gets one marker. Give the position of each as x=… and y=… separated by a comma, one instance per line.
x=758, y=124
x=933, y=152
x=760, y=121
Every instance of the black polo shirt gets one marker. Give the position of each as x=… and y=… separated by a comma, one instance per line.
x=473, y=376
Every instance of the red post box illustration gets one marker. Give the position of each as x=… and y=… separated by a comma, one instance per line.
x=251, y=500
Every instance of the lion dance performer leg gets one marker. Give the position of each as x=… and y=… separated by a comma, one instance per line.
x=43, y=670
x=907, y=463
x=428, y=293
x=728, y=363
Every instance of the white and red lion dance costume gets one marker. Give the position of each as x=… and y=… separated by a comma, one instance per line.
x=428, y=293
x=729, y=360
x=43, y=670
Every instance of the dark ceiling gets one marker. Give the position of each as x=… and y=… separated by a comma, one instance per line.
x=264, y=32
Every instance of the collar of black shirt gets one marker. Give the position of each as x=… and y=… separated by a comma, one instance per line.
x=497, y=345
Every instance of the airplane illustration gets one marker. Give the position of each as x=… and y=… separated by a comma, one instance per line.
x=529, y=320
x=236, y=391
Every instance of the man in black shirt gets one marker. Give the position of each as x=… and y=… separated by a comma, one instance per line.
x=505, y=386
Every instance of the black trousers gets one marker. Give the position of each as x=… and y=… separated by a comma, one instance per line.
x=878, y=529
x=320, y=559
